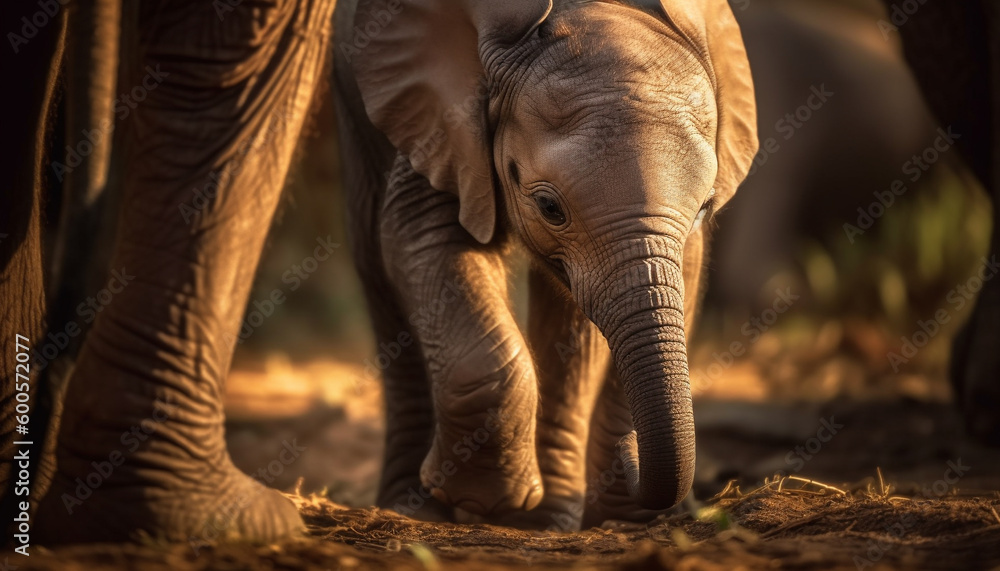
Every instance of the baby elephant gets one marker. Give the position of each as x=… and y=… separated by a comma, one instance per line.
x=600, y=137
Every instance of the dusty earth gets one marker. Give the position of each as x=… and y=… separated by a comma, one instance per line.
x=895, y=486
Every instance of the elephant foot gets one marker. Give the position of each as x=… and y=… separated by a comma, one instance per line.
x=110, y=503
x=619, y=507
x=611, y=517
x=482, y=458
x=975, y=370
x=981, y=420
x=978, y=400
x=552, y=514
x=144, y=455
x=410, y=498
x=493, y=489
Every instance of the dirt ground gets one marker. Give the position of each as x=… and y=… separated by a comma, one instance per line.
x=896, y=486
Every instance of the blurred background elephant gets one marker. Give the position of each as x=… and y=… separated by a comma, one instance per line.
x=847, y=141
x=839, y=114
x=955, y=56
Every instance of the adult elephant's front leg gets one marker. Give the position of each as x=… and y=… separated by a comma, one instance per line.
x=141, y=445
x=22, y=287
x=954, y=53
x=482, y=457
x=572, y=358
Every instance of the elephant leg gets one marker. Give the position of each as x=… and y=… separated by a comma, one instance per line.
x=974, y=368
x=409, y=411
x=22, y=291
x=482, y=457
x=212, y=133
x=979, y=376
x=572, y=358
x=953, y=49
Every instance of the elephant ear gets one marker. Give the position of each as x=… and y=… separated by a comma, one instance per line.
x=710, y=27
x=419, y=69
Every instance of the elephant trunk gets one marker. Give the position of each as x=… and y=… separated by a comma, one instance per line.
x=641, y=312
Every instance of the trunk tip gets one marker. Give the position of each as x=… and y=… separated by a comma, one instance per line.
x=660, y=495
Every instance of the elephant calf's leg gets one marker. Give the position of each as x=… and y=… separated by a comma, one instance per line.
x=572, y=357
x=141, y=446
x=482, y=457
x=409, y=412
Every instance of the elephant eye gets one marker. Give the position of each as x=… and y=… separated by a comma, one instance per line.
x=700, y=217
x=549, y=207
x=706, y=211
x=543, y=30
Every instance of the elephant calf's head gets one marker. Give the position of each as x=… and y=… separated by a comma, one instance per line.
x=609, y=132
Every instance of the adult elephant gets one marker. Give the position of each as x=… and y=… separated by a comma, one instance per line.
x=869, y=114
x=215, y=96
x=601, y=136
x=953, y=49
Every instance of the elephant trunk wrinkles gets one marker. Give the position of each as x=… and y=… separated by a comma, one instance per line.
x=641, y=312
